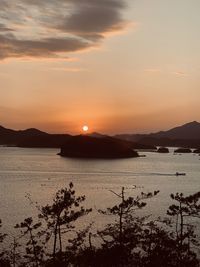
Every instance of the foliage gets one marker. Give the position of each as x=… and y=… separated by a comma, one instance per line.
x=2, y=236
x=34, y=247
x=4, y=262
x=139, y=242
x=128, y=241
x=121, y=238
x=60, y=215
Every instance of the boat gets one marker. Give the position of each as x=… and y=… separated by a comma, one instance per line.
x=180, y=174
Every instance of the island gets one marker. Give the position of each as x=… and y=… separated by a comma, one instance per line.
x=183, y=150
x=197, y=151
x=163, y=150
x=83, y=146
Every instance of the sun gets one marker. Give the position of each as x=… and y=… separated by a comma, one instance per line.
x=85, y=128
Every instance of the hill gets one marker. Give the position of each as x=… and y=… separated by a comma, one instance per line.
x=188, y=131
x=35, y=138
x=187, y=135
x=133, y=145
x=31, y=138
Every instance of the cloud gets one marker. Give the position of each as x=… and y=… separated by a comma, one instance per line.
x=160, y=71
x=35, y=28
x=179, y=73
x=12, y=47
x=94, y=18
x=3, y=28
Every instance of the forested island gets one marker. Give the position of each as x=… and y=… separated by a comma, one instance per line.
x=91, y=147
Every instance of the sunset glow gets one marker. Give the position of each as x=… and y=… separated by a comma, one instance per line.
x=122, y=65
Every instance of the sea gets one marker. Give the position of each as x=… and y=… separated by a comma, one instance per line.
x=31, y=177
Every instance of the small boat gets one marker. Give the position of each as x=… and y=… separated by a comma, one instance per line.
x=180, y=174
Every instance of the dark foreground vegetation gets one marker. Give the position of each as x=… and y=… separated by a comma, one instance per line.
x=53, y=241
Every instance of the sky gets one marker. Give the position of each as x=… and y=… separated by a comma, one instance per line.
x=118, y=66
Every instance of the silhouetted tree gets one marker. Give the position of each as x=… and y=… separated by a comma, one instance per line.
x=121, y=239
x=128, y=241
x=140, y=242
x=14, y=253
x=34, y=248
x=186, y=208
x=4, y=261
x=2, y=236
x=60, y=216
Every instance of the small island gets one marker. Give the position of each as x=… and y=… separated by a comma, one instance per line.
x=183, y=150
x=83, y=146
x=197, y=151
x=163, y=150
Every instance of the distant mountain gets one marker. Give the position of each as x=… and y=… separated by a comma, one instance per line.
x=130, y=137
x=132, y=144
x=43, y=141
x=7, y=136
x=5, y=131
x=32, y=132
x=187, y=135
x=189, y=130
x=31, y=138
x=97, y=135
x=35, y=138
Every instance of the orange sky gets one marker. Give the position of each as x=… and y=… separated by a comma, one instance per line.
x=117, y=66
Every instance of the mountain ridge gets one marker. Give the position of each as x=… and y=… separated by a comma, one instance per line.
x=190, y=130
x=187, y=134
x=187, y=131
x=31, y=137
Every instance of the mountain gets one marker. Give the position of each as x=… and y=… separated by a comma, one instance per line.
x=189, y=131
x=35, y=138
x=32, y=132
x=31, y=138
x=7, y=136
x=133, y=145
x=97, y=135
x=187, y=135
x=130, y=137
x=5, y=131
x=84, y=146
x=43, y=141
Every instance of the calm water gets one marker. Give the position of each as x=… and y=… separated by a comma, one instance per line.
x=40, y=173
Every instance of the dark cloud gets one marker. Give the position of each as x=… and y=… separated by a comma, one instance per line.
x=47, y=28
x=12, y=47
x=4, y=4
x=4, y=28
x=93, y=19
